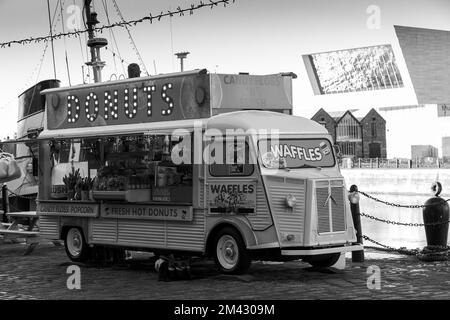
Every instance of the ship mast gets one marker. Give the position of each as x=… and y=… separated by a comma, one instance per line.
x=94, y=43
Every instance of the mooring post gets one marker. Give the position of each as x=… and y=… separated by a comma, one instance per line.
x=4, y=203
x=357, y=256
x=436, y=213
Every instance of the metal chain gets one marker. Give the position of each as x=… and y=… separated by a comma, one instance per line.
x=394, y=204
x=409, y=252
x=409, y=224
x=20, y=196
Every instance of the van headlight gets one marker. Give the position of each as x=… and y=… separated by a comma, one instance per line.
x=291, y=201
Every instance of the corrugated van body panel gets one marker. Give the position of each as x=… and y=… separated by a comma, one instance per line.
x=262, y=219
x=49, y=227
x=142, y=233
x=104, y=230
x=288, y=221
x=187, y=235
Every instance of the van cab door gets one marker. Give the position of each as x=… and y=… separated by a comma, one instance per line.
x=234, y=185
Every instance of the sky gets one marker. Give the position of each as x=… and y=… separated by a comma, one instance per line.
x=255, y=36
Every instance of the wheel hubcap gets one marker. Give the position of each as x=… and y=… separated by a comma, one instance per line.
x=74, y=242
x=227, y=252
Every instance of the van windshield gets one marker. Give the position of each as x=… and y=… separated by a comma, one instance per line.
x=296, y=153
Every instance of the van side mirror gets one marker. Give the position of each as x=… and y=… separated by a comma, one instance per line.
x=337, y=150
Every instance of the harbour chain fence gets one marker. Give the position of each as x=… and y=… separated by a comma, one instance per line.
x=429, y=253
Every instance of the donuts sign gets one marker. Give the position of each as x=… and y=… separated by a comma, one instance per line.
x=134, y=100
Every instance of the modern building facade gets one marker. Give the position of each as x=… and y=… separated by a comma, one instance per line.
x=446, y=148
x=423, y=151
x=358, y=135
x=407, y=78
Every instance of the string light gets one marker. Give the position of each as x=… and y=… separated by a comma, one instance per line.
x=151, y=18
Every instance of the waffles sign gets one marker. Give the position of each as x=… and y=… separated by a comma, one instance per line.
x=232, y=198
x=285, y=150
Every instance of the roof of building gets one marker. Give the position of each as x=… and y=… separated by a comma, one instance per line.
x=358, y=114
x=336, y=115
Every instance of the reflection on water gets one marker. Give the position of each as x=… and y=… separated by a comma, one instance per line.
x=389, y=234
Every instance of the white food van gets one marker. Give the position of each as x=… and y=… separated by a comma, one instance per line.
x=168, y=164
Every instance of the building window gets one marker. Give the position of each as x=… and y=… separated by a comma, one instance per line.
x=348, y=149
x=373, y=128
x=322, y=122
x=348, y=129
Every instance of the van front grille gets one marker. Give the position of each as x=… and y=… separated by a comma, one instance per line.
x=330, y=206
x=323, y=211
x=338, y=209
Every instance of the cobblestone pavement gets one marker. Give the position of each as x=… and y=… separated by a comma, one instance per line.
x=42, y=275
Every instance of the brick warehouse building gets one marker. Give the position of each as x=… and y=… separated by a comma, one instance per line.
x=360, y=136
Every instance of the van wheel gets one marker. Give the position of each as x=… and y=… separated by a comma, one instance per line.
x=230, y=254
x=323, y=260
x=76, y=247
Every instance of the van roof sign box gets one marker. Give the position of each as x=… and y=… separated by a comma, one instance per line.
x=243, y=91
x=178, y=96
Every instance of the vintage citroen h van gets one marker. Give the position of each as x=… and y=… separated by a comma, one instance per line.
x=167, y=164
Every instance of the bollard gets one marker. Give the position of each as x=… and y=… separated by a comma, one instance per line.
x=4, y=203
x=436, y=210
x=357, y=256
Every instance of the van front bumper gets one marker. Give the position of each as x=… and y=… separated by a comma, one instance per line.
x=317, y=251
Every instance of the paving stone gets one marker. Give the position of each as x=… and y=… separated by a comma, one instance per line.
x=43, y=275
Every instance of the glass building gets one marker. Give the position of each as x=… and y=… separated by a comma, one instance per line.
x=360, y=69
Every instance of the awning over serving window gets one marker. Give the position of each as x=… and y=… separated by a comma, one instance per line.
x=157, y=127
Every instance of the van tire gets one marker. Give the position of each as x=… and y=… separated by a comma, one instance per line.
x=323, y=260
x=230, y=253
x=76, y=246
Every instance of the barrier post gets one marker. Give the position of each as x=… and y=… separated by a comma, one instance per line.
x=357, y=256
x=435, y=216
x=4, y=203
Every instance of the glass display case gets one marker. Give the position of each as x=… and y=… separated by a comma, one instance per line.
x=133, y=168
